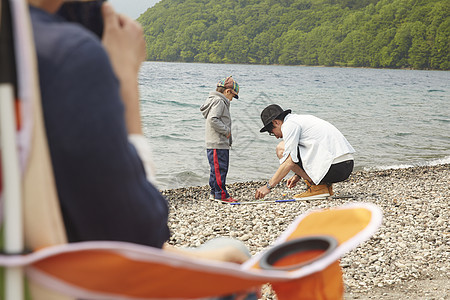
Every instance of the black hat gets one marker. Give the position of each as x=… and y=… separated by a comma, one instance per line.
x=271, y=113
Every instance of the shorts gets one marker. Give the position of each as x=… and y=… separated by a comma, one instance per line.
x=337, y=172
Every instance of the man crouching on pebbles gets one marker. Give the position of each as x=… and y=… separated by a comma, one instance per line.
x=312, y=148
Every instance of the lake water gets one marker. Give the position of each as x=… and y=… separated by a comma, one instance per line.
x=393, y=118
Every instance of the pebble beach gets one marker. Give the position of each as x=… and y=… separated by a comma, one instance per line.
x=407, y=258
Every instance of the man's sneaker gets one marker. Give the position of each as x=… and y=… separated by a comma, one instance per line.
x=330, y=189
x=314, y=192
x=211, y=197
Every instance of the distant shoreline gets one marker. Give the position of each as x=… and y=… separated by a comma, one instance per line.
x=318, y=66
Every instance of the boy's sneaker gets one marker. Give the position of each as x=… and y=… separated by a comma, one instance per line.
x=211, y=197
x=228, y=200
x=314, y=192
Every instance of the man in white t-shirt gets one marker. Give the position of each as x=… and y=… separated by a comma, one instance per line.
x=312, y=148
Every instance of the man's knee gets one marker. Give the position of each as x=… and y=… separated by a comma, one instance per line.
x=280, y=149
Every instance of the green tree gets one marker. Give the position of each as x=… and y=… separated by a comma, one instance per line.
x=440, y=53
x=419, y=51
x=360, y=33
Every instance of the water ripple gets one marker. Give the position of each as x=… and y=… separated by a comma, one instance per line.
x=391, y=117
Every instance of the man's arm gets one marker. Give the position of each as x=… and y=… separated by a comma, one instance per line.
x=282, y=171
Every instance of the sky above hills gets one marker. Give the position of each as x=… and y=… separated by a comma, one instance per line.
x=132, y=8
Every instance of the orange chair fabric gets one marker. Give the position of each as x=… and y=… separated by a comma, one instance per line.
x=117, y=270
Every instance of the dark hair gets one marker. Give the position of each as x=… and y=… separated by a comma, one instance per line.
x=281, y=117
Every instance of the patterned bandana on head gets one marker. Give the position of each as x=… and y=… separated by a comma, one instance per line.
x=230, y=83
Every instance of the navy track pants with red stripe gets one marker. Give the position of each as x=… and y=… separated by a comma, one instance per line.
x=218, y=161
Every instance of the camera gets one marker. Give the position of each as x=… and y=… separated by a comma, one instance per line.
x=86, y=12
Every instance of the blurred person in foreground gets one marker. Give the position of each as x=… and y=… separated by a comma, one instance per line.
x=312, y=148
x=90, y=100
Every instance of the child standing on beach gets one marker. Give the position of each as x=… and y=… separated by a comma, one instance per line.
x=216, y=111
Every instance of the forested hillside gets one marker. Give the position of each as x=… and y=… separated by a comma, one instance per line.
x=360, y=33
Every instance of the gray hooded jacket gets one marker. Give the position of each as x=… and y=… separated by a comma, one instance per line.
x=216, y=111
